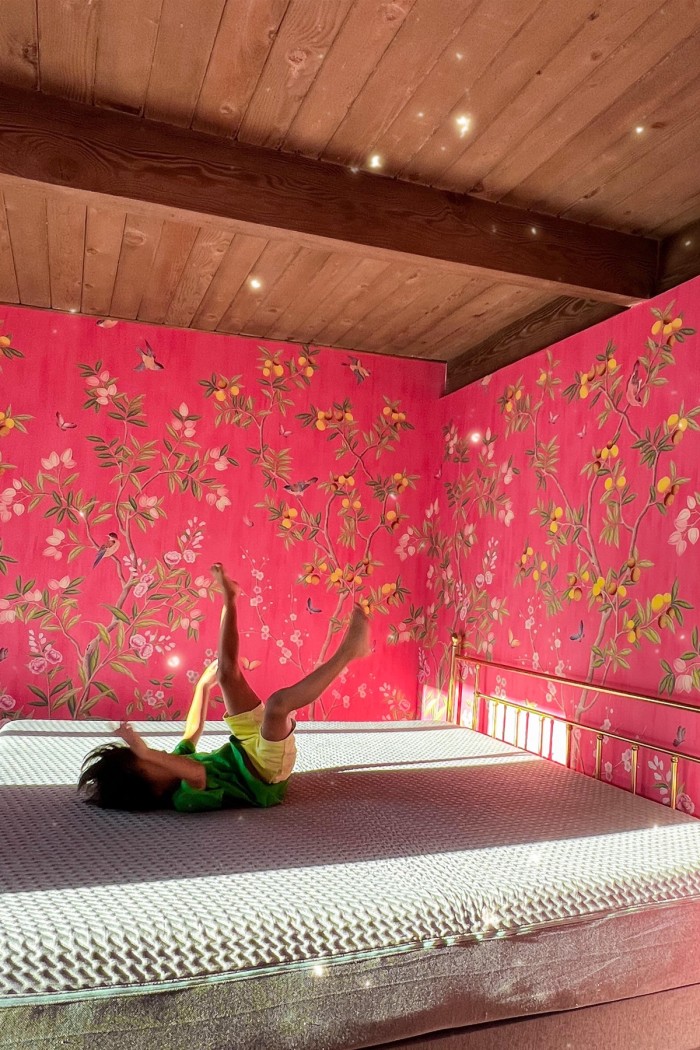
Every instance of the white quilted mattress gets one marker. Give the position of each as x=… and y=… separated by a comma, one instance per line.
x=418, y=877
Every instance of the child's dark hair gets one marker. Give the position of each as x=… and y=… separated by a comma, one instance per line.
x=111, y=779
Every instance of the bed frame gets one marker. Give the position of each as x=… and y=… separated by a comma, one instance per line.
x=489, y=716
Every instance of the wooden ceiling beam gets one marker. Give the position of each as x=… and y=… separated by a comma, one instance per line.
x=184, y=175
x=554, y=321
x=679, y=258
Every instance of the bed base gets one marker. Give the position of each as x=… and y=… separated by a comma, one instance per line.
x=646, y=1022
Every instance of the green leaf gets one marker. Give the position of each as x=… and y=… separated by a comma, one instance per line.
x=121, y=668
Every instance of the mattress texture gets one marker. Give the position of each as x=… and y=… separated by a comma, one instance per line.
x=418, y=878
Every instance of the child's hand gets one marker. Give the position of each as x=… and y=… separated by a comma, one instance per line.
x=131, y=737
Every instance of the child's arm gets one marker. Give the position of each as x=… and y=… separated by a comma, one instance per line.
x=197, y=714
x=179, y=766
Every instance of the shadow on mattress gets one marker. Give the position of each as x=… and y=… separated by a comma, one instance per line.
x=341, y=816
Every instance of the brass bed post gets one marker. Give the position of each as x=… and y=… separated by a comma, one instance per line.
x=598, y=754
x=569, y=729
x=476, y=702
x=633, y=771
x=452, y=682
x=674, y=780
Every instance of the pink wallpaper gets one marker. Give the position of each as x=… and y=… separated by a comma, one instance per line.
x=126, y=471
x=564, y=533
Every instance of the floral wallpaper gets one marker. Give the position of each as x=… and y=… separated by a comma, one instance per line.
x=132, y=457
x=564, y=534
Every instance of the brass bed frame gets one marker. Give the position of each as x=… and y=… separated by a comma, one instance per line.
x=459, y=657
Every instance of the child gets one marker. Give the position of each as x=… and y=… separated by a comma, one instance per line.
x=253, y=768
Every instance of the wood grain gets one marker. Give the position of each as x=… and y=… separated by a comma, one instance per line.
x=662, y=100
x=296, y=55
x=66, y=233
x=173, y=251
x=242, y=255
x=203, y=262
x=466, y=324
x=67, y=48
x=644, y=207
x=407, y=332
x=277, y=308
x=410, y=57
x=356, y=51
x=236, y=62
x=126, y=44
x=331, y=277
x=185, y=40
x=686, y=217
x=104, y=231
x=379, y=294
x=487, y=314
x=196, y=177
x=18, y=44
x=447, y=158
x=359, y=280
x=679, y=258
x=639, y=192
x=139, y=243
x=556, y=320
x=9, y=292
x=596, y=37
x=275, y=258
x=26, y=220
x=391, y=310
x=445, y=95
x=667, y=27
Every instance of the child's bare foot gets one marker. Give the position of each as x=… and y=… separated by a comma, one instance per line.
x=358, y=637
x=229, y=587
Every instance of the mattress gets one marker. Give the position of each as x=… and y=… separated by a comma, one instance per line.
x=419, y=878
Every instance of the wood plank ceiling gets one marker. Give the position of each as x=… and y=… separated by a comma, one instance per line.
x=585, y=111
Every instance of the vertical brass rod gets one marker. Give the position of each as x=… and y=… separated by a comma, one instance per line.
x=452, y=682
x=476, y=703
x=674, y=780
x=569, y=729
x=541, y=747
x=598, y=754
x=635, y=755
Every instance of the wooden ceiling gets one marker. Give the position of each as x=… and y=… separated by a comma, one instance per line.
x=515, y=134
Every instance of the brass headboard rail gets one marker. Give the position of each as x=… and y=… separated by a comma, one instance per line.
x=454, y=714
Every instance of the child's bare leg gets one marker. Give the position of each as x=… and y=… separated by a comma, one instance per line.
x=238, y=695
x=277, y=721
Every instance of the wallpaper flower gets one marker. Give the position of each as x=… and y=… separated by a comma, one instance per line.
x=131, y=458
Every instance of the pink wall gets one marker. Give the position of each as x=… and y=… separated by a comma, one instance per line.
x=214, y=456
x=565, y=535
